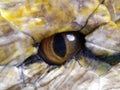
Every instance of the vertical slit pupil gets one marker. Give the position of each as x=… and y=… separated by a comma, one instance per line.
x=59, y=45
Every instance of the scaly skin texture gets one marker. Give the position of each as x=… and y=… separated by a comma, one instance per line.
x=24, y=22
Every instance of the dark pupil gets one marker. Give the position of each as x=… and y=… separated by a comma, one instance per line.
x=59, y=45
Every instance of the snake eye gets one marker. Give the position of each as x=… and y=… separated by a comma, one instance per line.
x=60, y=47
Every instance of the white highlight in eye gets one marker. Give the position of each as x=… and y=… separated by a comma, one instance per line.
x=70, y=37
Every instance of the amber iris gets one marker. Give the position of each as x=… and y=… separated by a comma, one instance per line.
x=60, y=47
